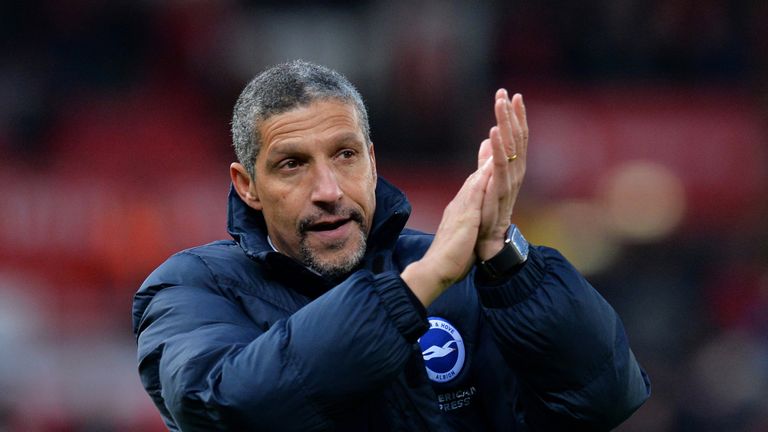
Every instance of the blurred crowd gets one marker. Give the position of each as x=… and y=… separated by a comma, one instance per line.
x=648, y=169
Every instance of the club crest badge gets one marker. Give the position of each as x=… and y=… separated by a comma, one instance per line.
x=443, y=350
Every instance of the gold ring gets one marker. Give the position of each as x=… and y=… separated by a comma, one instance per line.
x=511, y=158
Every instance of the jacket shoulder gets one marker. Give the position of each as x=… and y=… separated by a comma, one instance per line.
x=197, y=266
x=210, y=266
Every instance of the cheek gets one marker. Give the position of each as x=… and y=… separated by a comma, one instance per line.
x=362, y=188
x=368, y=195
x=281, y=212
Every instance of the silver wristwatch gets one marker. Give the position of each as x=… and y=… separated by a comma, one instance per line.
x=513, y=254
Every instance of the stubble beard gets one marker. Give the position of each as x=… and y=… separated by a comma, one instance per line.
x=338, y=265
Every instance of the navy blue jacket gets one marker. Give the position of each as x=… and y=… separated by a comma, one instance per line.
x=235, y=336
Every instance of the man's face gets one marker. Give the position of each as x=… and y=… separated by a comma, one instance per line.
x=315, y=184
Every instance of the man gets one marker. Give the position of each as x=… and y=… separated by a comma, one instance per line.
x=325, y=313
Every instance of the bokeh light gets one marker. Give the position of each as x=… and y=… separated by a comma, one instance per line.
x=643, y=201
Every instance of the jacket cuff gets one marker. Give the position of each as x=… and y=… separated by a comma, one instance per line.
x=407, y=312
x=517, y=287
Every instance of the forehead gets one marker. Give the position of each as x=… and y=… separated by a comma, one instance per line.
x=316, y=120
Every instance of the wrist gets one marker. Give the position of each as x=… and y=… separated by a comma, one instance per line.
x=491, y=244
x=487, y=249
x=424, y=281
x=511, y=256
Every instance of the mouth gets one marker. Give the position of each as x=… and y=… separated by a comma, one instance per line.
x=331, y=229
x=328, y=225
x=329, y=221
x=333, y=233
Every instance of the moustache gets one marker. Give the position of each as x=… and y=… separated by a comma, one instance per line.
x=347, y=213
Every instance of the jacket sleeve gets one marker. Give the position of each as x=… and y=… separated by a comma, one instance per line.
x=567, y=345
x=208, y=366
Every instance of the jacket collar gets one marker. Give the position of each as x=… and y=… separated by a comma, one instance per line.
x=248, y=228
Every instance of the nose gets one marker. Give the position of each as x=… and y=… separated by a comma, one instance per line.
x=325, y=187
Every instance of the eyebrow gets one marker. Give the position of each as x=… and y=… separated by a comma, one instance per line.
x=293, y=147
x=348, y=137
x=283, y=148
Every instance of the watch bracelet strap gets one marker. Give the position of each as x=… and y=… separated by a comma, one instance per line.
x=507, y=292
x=507, y=260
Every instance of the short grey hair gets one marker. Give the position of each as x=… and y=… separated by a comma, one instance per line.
x=280, y=89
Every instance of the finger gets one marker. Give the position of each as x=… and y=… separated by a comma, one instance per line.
x=517, y=136
x=490, y=208
x=482, y=175
x=485, y=170
x=469, y=199
x=505, y=125
x=484, y=153
x=519, y=107
x=472, y=191
x=521, y=119
x=500, y=162
x=501, y=94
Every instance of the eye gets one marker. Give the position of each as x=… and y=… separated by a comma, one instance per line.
x=288, y=164
x=347, y=154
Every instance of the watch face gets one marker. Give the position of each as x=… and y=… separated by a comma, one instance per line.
x=519, y=242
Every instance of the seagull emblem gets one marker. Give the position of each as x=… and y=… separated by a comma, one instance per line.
x=435, y=351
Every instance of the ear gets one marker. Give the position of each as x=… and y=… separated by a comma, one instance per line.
x=372, y=155
x=244, y=185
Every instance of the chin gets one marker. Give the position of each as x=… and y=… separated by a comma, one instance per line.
x=335, y=263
